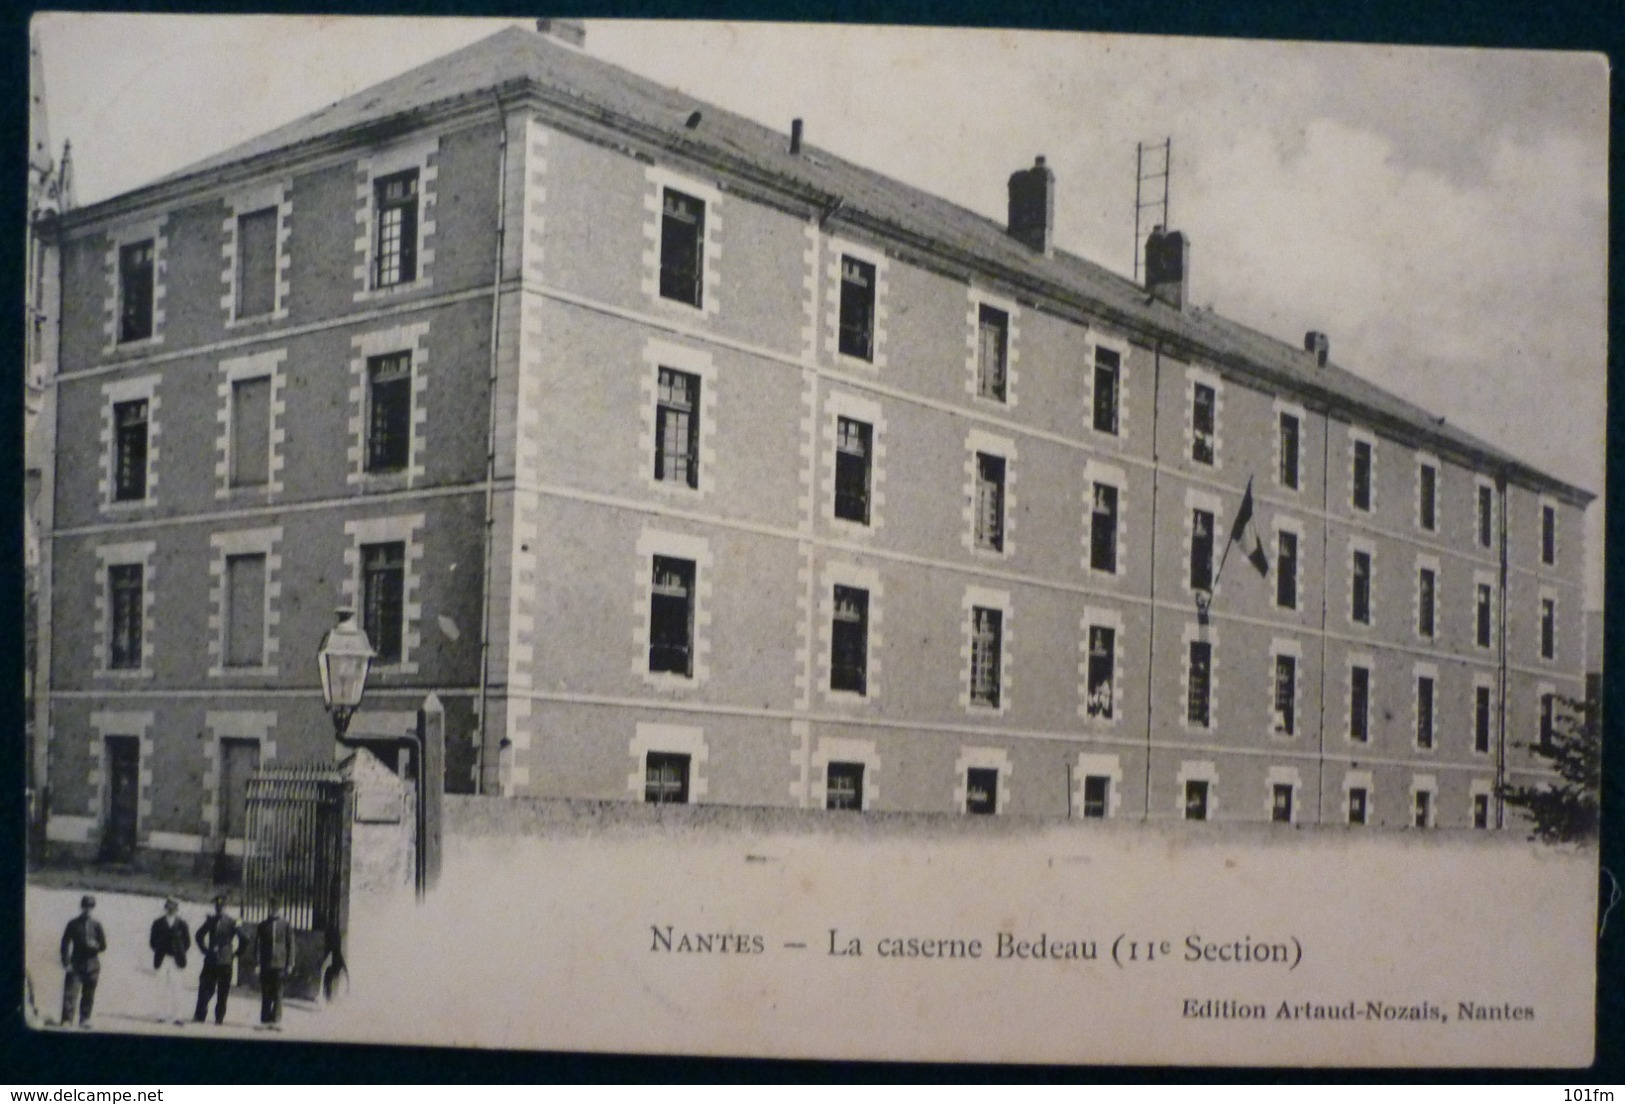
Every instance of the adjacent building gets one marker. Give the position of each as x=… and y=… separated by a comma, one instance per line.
x=686, y=462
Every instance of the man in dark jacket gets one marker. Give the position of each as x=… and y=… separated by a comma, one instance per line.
x=274, y=940
x=83, y=941
x=170, y=939
x=220, y=940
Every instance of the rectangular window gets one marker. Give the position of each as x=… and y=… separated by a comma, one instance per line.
x=239, y=759
x=1424, y=711
x=677, y=428
x=1424, y=809
x=389, y=412
x=135, y=285
x=1548, y=719
x=990, y=502
x=395, y=244
x=1481, y=718
x=245, y=610
x=665, y=778
x=1361, y=495
x=1102, y=671
x=1360, y=593
x=1484, y=615
x=1286, y=570
x=1360, y=704
x=130, y=457
x=256, y=263
x=857, y=337
x=1424, y=601
x=982, y=791
x=1204, y=416
x=1195, y=800
x=1201, y=672
x=1281, y=803
x=1486, y=512
x=854, y=458
x=1108, y=379
x=383, y=598
x=849, y=641
x=682, y=248
x=1103, y=529
x=1427, y=497
x=671, y=616
x=992, y=352
x=251, y=432
x=1357, y=804
x=1548, y=628
x=1201, y=550
x=1289, y=450
x=987, y=638
x=843, y=786
x=1548, y=534
x=124, y=585
x=1481, y=810
x=1286, y=695
x=1097, y=791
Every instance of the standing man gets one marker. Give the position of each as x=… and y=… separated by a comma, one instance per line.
x=220, y=941
x=170, y=939
x=83, y=941
x=274, y=938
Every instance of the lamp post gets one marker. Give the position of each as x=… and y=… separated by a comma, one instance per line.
x=345, y=659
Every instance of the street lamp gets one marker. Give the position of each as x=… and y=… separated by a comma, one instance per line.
x=344, y=658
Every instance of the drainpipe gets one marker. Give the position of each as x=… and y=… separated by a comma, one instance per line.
x=1151, y=632
x=484, y=750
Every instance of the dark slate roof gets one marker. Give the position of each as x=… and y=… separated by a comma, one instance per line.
x=517, y=56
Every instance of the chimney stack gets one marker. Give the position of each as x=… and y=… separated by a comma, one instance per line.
x=1319, y=344
x=1032, y=207
x=795, y=137
x=1167, y=266
x=570, y=31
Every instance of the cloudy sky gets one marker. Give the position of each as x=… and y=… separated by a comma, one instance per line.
x=1442, y=214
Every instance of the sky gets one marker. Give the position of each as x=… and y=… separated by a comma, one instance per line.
x=1440, y=213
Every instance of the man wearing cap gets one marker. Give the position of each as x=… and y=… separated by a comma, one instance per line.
x=220, y=940
x=274, y=940
x=170, y=939
x=83, y=941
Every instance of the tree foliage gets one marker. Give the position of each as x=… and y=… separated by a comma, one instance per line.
x=1565, y=811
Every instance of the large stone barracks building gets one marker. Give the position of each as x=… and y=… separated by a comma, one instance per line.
x=687, y=462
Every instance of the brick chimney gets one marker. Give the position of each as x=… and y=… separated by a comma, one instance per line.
x=570, y=31
x=1319, y=345
x=1167, y=266
x=1032, y=207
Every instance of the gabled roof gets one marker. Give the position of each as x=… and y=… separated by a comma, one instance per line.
x=518, y=59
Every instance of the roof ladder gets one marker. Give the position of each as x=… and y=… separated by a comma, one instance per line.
x=1153, y=166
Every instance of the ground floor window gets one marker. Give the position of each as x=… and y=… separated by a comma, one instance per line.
x=844, y=786
x=666, y=778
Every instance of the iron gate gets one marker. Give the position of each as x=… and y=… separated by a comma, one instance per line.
x=298, y=845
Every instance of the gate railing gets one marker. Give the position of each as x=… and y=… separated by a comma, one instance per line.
x=297, y=848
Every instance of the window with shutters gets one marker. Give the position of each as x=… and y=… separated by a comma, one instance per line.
x=1101, y=675
x=1199, y=685
x=1427, y=497
x=1360, y=588
x=136, y=286
x=1108, y=382
x=256, y=263
x=1103, y=529
x=1481, y=719
x=1201, y=574
x=245, y=610
x=1288, y=444
x=677, y=428
x=1360, y=704
x=1425, y=602
x=1196, y=799
x=395, y=236
x=987, y=638
x=857, y=322
x=992, y=352
x=125, y=587
x=982, y=791
x=383, y=598
x=1357, y=804
x=989, y=515
x=250, y=432
x=1360, y=488
x=1424, y=712
x=1286, y=695
x=843, y=786
x=671, y=616
x=1286, y=569
x=1204, y=422
x=854, y=449
x=665, y=778
x=849, y=640
x=1097, y=792
x=1281, y=803
x=682, y=247
x=130, y=441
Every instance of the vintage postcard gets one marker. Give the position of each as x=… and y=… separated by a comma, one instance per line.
x=815, y=541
